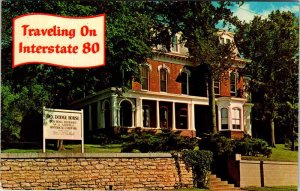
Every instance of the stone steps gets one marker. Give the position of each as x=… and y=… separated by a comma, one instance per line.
x=216, y=184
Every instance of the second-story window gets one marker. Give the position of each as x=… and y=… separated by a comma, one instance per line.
x=232, y=84
x=184, y=83
x=174, y=47
x=163, y=80
x=145, y=77
x=217, y=87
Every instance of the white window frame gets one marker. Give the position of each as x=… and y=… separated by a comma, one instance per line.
x=148, y=77
x=235, y=83
x=176, y=45
x=235, y=118
x=219, y=87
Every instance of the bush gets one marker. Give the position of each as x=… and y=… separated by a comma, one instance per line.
x=150, y=141
x=216, y=143
x=200, y=162
x=222, y=146
x=252, y=146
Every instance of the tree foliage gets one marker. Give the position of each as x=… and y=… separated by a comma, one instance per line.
x=272, y=45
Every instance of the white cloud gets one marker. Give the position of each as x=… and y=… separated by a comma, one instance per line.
x=244, y=13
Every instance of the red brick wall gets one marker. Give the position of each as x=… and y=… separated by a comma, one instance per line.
x=175, y=87
x=172, y=85
x=225, y=85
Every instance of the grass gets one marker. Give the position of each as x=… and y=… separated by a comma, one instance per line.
x=280, y=153
x=72, y=148
x=282, y=188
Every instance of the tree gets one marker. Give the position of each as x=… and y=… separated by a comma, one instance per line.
x=128, y=44
x=196, y=21
x=272, y=45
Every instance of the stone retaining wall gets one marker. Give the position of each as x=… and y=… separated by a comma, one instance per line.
x=121, y=171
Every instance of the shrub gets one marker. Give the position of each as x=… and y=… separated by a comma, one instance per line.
x=150, y=141
x=200, y=162
x=216, y=143
x=252, y=146
x=222, y=146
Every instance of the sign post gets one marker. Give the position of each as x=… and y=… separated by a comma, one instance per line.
x=62, y=124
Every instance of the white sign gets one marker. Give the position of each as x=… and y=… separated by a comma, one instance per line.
x=62, y=124
x=71, y=42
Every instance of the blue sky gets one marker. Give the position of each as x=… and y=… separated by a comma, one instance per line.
x=250, y=9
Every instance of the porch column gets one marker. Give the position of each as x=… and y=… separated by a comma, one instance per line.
x=90, y=118
x=247, y=118
x=114, y=115
x=229, y=118
x=132, y=117
x=99, y=116
x=173, y=116
x=189, y=117
x=192, y=117
x=139, y=113
x=157, y=115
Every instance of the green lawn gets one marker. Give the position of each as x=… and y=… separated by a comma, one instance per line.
x=280, y=153
x=70, y=148
x=283, y=188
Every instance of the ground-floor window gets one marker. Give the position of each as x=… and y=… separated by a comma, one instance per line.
x=126, y=114
x=224, y=118
x=236, y=118
x=165, y=115
x=181, y=116
x=149, y=113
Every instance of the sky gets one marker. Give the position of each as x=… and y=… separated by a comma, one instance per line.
x=252, y=8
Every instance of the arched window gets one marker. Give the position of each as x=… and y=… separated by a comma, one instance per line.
x=163, y=80
x=126, y=114
x=182, y=119
x=233, y=84
x=174, y=47
x=145, y=77
x=146, y=115
x=236, y=118
x=224, y=118
x=163, y=116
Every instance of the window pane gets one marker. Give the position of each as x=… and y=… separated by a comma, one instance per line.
x=224, y=118
x=174, y=43
x=217, y=87
x=236, y=118
x=145, y=77
x=163, y=80
x=232, y=83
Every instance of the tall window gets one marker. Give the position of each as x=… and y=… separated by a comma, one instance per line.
x=174, y=44
x=184, y=83
x=236, y=118
x=217, y=87
x=146, y=116
x=232, y=84
x=145, y=77
x=224, y=118
x=163, y=80
x=163, y=112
